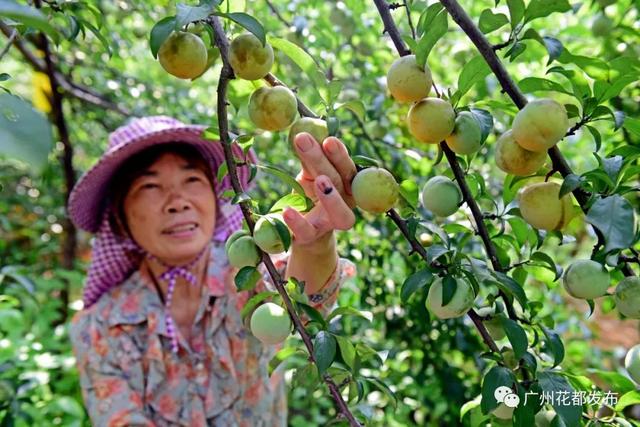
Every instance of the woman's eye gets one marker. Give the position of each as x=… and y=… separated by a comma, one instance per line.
x=148, y=185
x=193, y=179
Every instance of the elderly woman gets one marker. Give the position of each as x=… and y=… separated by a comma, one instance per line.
x=160, y=341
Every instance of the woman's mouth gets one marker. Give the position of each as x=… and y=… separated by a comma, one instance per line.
x=182, y=230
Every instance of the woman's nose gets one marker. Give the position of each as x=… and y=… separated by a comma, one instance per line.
x=177, y=203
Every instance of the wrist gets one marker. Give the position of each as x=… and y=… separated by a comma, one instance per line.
x=323, y=245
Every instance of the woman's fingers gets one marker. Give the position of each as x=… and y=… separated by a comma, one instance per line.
x=303, y=231
x=314, y=161
x=340, y=215
x=339, y=157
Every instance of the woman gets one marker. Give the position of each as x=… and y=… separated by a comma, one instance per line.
x=160, y=341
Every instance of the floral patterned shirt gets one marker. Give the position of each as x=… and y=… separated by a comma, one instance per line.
x=130, y=377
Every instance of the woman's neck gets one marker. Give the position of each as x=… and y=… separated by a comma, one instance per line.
x=183, y=289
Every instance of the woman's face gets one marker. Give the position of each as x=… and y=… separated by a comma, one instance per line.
x=170, y=209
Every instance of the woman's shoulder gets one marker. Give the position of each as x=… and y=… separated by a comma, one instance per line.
x=91, y=323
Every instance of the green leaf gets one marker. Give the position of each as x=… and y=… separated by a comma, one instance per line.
x=186, y=14
x=434, y=31
x=294, y=200
x=516, y=11
x=449, y=287
x=379, y=384
x=510, y=287
x=29, y=16
x=628, y=399
x=596, y=136
x=535, y=84
x=409, y=191
x=607, y=91
x=554, y=343
x=417, y=280
x=282, y=230
x=473, y=72
x=347, y=350
x=472, y=404
x=283, y=175
x=324, y=350
x=614, y=380
x=497, y=376
x=303, y=60
x=246, y=278
x=541, y=8
x=554, y=48
x=248, y=22
x=99, y=36
x=614, y=217
x=365, y=161
x=555, y=384
x=314, y=315
x=356, y=106
x=570, y=183
x=25, y=134
x=548, y=261
x=427, y=17
x=632, y=125
x=490, y=21
x=485, y=119
x=341, y=311
x=159, y=33
x=254, y=301
x=516, y=335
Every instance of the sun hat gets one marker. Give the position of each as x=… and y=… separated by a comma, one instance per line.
x=114, y=258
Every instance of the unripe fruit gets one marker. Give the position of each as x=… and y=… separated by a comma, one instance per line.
x=266, y=236
x=541, y=208
x=493, y=325
x=233, y=237
x=270, y=323
x=183, y=55
x=466, y=135
x=248, y=58
x=544, y=418
x=503, y=412
x=586, y=279
x=515, y=160
x=243, y=252
x=431, y=120
x=461, y=302
x=316, y=127
x=273, y=108
x=212, y=54
x=601, y=26
x=627, y=297
x=632, y=363
x=509, y=357
x=540, y=125
x=406, y=81
x=441, y=196
x=375, y=190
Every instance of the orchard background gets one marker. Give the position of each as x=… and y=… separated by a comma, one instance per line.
x=71, y=72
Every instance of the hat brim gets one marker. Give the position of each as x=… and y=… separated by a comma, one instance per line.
x=89, y=196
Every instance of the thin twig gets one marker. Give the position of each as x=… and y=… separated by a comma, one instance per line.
x=413, y=30
x=9, y=42
x=278, y=15
x=226, y=74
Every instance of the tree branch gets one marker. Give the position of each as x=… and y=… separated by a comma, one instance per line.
x=73, y=89
x=226, y=74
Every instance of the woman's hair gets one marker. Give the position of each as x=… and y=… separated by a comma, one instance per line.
x=134, y=167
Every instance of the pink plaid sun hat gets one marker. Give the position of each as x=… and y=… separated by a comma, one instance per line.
x=113, y=258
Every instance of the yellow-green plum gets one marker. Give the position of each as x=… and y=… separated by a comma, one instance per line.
x=273, y=108
x=375, y=190
x=183, y=55
x=503, y=412
x=466, y=136
x=235, y=236
x=540, y=124
x=270, y=323
x=441, y=196
x=243, y=252
x=601, y=26
x=544, y=418
x=627, y=297
x=586, y=279
x=632, y=363
x=266, y=236
x=494, y=324
x=431, y=120
x=541, y=207
x=213, y=53
x=406, y=81
x=515, y=160
x=461, y=302
x=316, y=127
x=249, y=59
